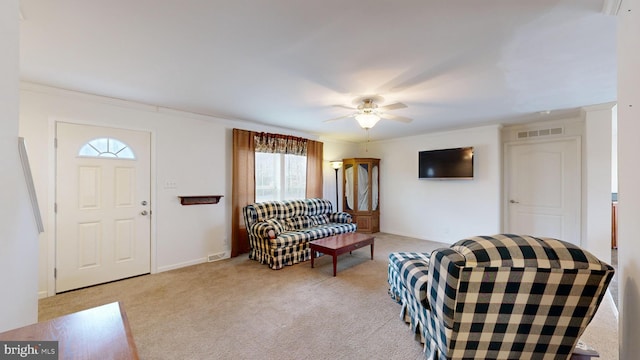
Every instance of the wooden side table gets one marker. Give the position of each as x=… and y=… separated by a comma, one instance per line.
x=98, y=333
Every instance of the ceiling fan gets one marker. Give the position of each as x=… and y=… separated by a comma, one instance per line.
x=367, y=112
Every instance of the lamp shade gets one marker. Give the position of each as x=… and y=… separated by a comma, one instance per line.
x=336, y=164
x=367, y=120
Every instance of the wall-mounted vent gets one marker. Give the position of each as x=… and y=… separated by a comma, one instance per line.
x=538, y=133
x=216, y=257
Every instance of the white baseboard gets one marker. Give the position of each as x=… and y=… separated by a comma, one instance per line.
x=182, y=264
x=43, y=294
x=614, y=308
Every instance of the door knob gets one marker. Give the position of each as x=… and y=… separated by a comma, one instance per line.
x=143, y=202
x=144, y=213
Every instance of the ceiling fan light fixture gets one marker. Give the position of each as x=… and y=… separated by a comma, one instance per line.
x=367, y=120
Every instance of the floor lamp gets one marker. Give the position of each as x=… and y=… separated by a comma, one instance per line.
x=336, y=165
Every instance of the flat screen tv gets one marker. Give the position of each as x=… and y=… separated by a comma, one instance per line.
x=446, y=164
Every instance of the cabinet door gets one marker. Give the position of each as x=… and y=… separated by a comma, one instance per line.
x=363, y=187
x=374, y=188
x=364, y=223
x=349, y=185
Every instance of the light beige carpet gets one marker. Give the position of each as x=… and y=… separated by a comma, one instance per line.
x=602, y=332
x=240, y=309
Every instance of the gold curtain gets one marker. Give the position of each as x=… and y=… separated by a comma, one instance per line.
x=245, y=144
x=314, y=169
x=243, y=188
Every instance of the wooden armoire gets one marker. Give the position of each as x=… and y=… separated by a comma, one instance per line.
x=360, y=184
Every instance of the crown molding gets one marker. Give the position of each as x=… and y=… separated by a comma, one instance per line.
x=598, y=107
x=611, y=7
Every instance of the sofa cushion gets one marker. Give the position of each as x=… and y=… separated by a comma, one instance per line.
x=269, y=210
x=337, y=228
x=288, y=239
x=319, y=219
x=297, y=223
x=318, y=206
x=293, y=208
x=318, y=232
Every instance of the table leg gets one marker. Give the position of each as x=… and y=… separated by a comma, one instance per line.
x=313, y=253
x=335, y=261
x=371, y=250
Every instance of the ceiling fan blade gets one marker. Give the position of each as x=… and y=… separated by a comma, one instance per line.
x=397, y=118
x=345, y=107
x=394, y=106
x=339, y=117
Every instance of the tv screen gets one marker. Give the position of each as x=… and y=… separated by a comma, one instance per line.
x=446, y=164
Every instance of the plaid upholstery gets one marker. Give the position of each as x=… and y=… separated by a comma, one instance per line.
x=297, y=222
x=413, y=271
x=279, y=231
x=397, y=258
x=413, y=311
x=267, y=228
x=268, y=210
x=319, y=219
x=276, y=225
x=318, y=207
x=504, y=297
x=340, y=217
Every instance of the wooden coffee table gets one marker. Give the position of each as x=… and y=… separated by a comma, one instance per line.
x=340, y=244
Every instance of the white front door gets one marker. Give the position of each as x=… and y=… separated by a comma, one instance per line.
x=102, y=200
x=543, y=185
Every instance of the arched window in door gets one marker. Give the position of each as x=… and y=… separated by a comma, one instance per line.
x=106, y=148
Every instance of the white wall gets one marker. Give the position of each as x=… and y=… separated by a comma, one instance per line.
x=18, y=233
x=192, y=151
x=596, y=181
x=439, y=210
x=614, y=150
x=628, y=177
x=335, y=150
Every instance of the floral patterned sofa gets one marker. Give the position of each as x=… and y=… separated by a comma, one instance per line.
x=499, y=297
x=280, y=231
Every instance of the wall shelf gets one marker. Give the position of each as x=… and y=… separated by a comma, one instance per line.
x=200, y=199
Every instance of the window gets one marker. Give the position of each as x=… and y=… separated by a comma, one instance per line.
x=106, y=148
x=280, y=176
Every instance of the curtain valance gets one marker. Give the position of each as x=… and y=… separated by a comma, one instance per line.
x=281, y=144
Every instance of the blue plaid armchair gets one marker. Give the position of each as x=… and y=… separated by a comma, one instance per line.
x=499, y=297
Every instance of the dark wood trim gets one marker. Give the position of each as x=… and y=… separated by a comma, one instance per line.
x=200, y=199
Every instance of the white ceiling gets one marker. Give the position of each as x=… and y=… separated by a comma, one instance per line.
x=455, y=63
